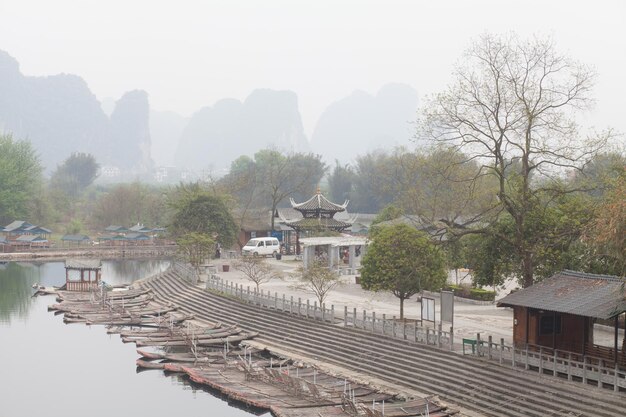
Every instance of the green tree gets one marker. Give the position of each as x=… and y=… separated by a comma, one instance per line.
x=205, y=213
x=20, y=178
x=195, y=248
x=340, y=182
x=404, y=261
x=75, y=174
x=127, y=204
x=318, y=279
x=511, y=108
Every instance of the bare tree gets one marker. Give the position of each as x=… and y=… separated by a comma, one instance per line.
x=318, y=279
x=256, y=270
x=511, y=109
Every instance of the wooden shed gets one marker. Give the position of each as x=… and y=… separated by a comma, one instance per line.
x=559, y=313
x=83, y=274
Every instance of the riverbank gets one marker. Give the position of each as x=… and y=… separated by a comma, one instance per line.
x=101, y=252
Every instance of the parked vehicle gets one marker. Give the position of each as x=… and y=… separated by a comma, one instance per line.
x=261, y=246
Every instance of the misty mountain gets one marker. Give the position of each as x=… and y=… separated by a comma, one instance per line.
x=60, y=115
x=362, y=122
x=166, y=128
x=130, y=143
x=217, y=135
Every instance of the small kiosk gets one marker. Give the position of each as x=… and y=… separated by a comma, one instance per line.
x=559, y=313
x=82, y=274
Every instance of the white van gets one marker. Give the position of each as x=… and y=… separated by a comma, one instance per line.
x=261, y=246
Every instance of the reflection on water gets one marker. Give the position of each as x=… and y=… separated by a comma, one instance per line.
x=16, y=289
x=53, y=369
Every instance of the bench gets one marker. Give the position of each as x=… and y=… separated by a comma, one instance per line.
x=472, y=343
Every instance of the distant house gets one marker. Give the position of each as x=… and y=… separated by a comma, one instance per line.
x=16, y=228
x=22, y=234
x=116, y=229
x=139, y=228
x=31, y=241
x=4, y=245
x=559, y=313
x=137, y=239
x=76, y=240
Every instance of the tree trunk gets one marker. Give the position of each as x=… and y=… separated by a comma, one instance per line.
x=401, y=308
x=527, y=270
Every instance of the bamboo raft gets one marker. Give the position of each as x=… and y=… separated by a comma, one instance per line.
x=211, y=355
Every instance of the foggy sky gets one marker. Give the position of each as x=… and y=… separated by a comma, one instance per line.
x=188, y=54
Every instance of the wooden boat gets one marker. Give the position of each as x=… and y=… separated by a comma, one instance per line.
x=177, y=331
x=149, y=365
x=189, y=357
x=201, y=342
x=179, y=337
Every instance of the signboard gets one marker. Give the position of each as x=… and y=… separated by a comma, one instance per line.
x=428, y=309
x=278, y=235
x=447, y=306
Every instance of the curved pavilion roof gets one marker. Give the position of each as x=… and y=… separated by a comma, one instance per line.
x=318, y=204
x=319, y=223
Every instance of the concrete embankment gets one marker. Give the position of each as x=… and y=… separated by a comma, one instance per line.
x=95, y=252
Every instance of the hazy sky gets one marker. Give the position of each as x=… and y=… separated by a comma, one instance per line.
x=188, y=54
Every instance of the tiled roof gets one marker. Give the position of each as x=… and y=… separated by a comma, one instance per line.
x=577, y=293
x=115, y=228
x=30, y=238
x=83, y=263
x=137, y=236
x=319, y=223
x=318, y=203
x=16, y=226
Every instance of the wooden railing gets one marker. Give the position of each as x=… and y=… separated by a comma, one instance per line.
x=371, y=322
x=572, y=366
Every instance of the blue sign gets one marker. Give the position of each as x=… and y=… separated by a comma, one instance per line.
x=278, y=235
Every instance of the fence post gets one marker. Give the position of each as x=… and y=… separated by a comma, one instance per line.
x=403, y=330
x=345, y=316
x=513, y=356
x=393, y=327
x=299, y=306
x=373, y=322
x=600, y=366
x=248, y=294
x=427, y=335
x=526, y=366
x=616, y=378
x=308, y=306
x=478, y=342
x=554, y=360
x=415, y=330
x=584, y=369
x=501, y=349
x=283, y=309
x=332, y=313
x=569, y=367
x=315, y=310
x=451, y=338
x=354, y=316
x=439, y=335
x=384, y=321
x=323, y=306
x=364, y=318
x=275, y=300
x=540, y=360
x=489, y=341
x=291, y=304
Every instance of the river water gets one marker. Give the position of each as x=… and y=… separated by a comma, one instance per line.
x=48, y=368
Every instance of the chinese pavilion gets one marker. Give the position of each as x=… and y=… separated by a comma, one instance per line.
x=317, y=216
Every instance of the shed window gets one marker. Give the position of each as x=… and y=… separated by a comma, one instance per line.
x=550, y=324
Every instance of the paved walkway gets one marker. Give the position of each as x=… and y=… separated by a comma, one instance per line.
x=470, y=318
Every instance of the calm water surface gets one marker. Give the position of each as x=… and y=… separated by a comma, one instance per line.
x=51, y=369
